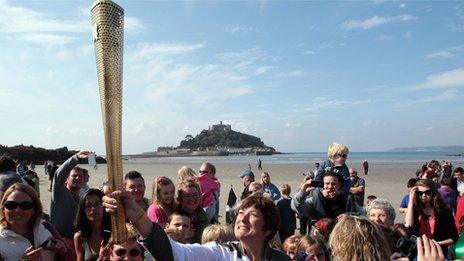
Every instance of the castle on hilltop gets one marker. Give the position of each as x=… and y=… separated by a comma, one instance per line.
x=217, y=140
x=220, y=127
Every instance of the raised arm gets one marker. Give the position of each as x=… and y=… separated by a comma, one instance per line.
x=153, y=236
x=409, y=222
x=300, y=201
x=62, y=172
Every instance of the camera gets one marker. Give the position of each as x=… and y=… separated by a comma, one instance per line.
x=317, y=184
x=407, y=247
x=49, y=243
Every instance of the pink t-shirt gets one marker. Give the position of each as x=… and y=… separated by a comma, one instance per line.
x=157, y=214
x=208, y=186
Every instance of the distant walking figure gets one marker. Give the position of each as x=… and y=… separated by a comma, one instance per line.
x=366, y=167
x=259, y=164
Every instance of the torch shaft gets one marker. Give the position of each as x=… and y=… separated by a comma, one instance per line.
x=108, y=33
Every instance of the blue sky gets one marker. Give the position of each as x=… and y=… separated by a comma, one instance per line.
x=374, y=75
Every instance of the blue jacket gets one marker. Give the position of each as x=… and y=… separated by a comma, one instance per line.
x=343, y=170
x=272, y=190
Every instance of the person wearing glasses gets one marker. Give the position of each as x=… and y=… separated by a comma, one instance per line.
x=210, y=189
x=337, y=154
x=22, y=235
x=189, y=199
x=428, y=215
x=130, y=250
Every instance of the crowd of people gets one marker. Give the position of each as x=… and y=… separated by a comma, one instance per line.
x=181, y=220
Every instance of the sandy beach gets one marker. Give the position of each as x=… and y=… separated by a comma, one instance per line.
x=383, y=181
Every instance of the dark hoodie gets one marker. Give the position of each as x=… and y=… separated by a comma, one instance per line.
x=448, y=195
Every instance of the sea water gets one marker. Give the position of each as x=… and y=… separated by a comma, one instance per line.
x=374, y=158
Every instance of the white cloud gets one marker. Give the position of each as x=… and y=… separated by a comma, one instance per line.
x=263, y=70
x=308, y=52
x=291, y=125
x=448, y=53
x=239, y=91
x=153, y=49
x=46, y=39
x=22, y=20
x=235, y=29
x=447, y=95
x=39, y=28
x=294, y=73
x=384, y=37
x=375, y=21
x=457, y=27
x=407, y=35
x=253, y=54
x=202, y=85
x=133, y=24
x=402, y=5
x=447, y=79
x=324, y=102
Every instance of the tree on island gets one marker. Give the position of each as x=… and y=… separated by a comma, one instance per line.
x=222, y=138
x=39, y=155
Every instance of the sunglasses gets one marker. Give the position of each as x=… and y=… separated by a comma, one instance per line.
x=203, y=171
x=426, y=193
x=303, y=256
x=343, y=155
x=12, y=205
x=190, y=196
x=134, y=252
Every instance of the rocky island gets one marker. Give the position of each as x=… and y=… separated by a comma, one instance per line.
x=217, y=140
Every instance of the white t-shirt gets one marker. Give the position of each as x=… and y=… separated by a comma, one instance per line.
x=460, y=186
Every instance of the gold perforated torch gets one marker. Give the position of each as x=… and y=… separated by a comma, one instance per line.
x=108, y=38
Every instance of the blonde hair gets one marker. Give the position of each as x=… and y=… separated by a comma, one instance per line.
x=337, y=148
x=35, y=200
x=290, y=243
x=217, y=233
x=307, y=241
x=185, y=173
x=255, y=184
x=356, y=238
x=285, y=189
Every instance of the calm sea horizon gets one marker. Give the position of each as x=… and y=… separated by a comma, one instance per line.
x=378, y=158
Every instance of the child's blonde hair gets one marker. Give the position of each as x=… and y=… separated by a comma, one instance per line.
x=217, y=233
x=337, y=148
x=185, y=173
x=285, y=189
x=290, y=243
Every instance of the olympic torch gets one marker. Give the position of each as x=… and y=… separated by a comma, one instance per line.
x=108, y=38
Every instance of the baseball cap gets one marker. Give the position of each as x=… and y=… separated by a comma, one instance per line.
x=247, y=173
